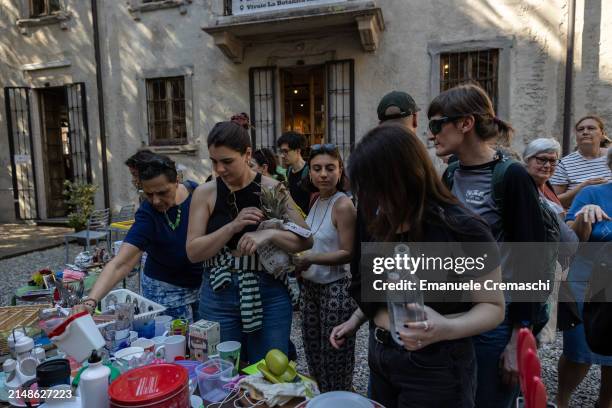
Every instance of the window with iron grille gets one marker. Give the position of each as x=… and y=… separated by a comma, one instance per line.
x=480, y=66
x=40, y=8
x=166, y=111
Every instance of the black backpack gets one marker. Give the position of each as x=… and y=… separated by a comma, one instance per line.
x=552, y=233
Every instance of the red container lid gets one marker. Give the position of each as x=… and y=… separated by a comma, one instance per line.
x=62, y=327
x=147, y=385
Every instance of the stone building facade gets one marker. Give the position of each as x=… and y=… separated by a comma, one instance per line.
x=168, y=70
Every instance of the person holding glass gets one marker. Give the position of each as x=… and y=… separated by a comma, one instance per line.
x=404, y=201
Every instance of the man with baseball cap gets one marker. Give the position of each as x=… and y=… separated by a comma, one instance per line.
x=397, y=106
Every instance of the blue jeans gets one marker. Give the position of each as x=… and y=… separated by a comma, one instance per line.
x=491, y=391
x=180, y=303
x=223, y=307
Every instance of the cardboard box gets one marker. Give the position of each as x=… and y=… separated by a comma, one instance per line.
x=204, y=336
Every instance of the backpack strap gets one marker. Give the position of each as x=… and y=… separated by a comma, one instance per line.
x=303, y=172
x=449, y=174
x=497, y=180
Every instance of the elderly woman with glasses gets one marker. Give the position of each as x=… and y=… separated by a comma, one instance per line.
x=160, y=230
x=251, y=305
x=541, y=157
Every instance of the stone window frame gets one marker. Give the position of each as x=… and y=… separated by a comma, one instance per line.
x=505, y=45
x=192, y=144
x=137, y=7
x=26, y=21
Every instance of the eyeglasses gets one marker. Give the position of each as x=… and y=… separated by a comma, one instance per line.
x=435, y=125
x=233, y=206
x=325, y=147
x=284, y=151
x=231, y=203
x=543, y=160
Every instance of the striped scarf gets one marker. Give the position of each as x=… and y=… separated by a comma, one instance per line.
x=251, y=308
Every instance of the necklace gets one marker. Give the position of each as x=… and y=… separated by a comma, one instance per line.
x=324, y=214
x=176, y=222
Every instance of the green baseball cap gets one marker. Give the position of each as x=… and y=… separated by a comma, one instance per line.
x=401, y=100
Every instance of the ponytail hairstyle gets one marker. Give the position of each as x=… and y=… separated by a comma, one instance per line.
x=471, y=100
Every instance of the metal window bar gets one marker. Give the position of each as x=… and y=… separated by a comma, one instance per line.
x=78, y=133
x=480, y=66
x=25, y=192
x=227, y=7
x=166, y=111
x=262, y=92
x=341, y=105
x=40, y=8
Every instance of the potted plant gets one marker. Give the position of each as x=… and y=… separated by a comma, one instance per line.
x=80, y=199
x=274, y=203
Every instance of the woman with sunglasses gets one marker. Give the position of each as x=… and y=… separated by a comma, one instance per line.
x=251, y=306
x=160, y=230
x=324, y=270
x=405, y=201
x=587, y=165
x=463, y=123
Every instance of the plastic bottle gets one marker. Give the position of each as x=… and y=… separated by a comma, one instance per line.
x=404, y=305
x=94, y=383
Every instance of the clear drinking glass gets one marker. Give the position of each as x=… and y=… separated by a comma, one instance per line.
x=404, y=306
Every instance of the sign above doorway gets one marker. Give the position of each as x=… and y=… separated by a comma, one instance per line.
x=241, y=7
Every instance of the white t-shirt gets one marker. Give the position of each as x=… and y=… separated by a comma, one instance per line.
x=573, y=169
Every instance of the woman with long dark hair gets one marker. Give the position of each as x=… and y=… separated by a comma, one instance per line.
x=251, y=305
x=401, y=199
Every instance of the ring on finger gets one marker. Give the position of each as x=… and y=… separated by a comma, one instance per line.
x=425, y=325
x=419, y=343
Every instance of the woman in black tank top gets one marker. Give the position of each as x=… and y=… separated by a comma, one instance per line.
x=250, y=305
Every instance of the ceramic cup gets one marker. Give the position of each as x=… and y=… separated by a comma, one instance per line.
x=174, y=346
x=147, y=344
x=129, y=353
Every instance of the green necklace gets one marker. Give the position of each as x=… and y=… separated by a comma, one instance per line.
x=176, y=222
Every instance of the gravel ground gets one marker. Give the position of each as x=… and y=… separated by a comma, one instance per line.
x=15, y=272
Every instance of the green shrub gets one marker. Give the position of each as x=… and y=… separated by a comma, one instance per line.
x=80, y=199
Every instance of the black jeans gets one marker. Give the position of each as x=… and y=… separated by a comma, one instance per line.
x=441, y=375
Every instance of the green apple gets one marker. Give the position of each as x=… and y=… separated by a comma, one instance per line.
x=277, y=362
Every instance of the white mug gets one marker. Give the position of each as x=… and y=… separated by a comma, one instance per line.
x=174, y=346
x=147, y=344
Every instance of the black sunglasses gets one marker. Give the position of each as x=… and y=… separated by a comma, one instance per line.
x=326, y=147
x=435, y=125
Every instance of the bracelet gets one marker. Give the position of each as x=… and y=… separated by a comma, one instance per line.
x=87, y=302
